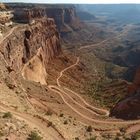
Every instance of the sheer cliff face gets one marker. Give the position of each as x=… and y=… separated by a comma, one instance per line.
x=42, y=34
x=65, y=18
x=28, y=14
x=57, y=14
x=30, y=47
x=70, y=15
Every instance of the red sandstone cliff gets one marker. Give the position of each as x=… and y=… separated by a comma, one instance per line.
x=30, y=47
x=65, y=18
x=28, y=14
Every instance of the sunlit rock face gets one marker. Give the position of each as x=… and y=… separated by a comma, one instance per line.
x=30, y=47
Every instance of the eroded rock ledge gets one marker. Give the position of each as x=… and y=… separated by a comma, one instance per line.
x=30, y=47
x=129, y=108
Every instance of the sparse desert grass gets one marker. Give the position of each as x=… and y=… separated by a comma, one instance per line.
x=107, y=93
x=49, y=124
x=7, y=115
x=34, y=136
x=136, y=136
x=89, y=128
x=49, y=113
x=65, y=122
x=1, y=134
x=92, y=138
x=61, y=115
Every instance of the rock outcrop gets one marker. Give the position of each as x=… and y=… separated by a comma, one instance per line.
x=5, y=17
x=129, y=108
x=31, y=47
x=28, y=15
x=65, y=18
x=5, y=14
x=3, y=7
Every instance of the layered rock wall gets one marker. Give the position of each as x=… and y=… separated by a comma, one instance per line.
x=27, y=15
x=65, y=18
x=30, y=47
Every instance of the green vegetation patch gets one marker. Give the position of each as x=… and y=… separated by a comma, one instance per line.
x=7, y=115
x=34, y=136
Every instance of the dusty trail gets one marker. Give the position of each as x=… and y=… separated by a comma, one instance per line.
x=63, y=90
x=6, y=36
x=60, y=91
x=92, y=45
x=98, y=44
x=63, y=93
x=49, y=133
x=77, y=95
x=10, y=32
x=105, y=112
x=2, y=39
x=133, y=129
x=88, y=105
x=61, y=73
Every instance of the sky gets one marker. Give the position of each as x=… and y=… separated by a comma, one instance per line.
x=75, y=1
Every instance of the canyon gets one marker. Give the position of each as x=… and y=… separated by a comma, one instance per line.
x=57, y=74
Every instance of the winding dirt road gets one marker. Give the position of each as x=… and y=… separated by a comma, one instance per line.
x=63, y=92
x=92, y=45
x=61, y=73
x=133, y=129
x=60, y=90
x=48, y=132
x=98, y=44
x=105, y=112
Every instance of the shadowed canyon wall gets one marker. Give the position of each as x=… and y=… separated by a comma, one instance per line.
x=65, y=19
x=129, y=108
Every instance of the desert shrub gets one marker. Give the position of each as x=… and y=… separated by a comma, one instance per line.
x=49, y=113
x=61, y=115
x=1, y=134
x=34, y=136
x=108, y=70
x=92, y=138
x=65, y=122
x=7, y=115
x=89, y=128
x=49, y=124
x=127, y=138
x=122, y=130
x=136, y=136
x=117, y=138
